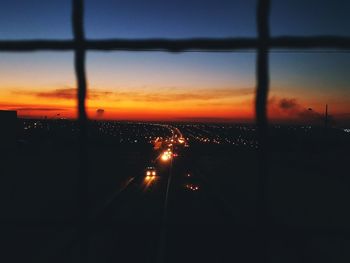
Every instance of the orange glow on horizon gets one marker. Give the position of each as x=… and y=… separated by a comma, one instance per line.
x=220, y=104
x=177, y=104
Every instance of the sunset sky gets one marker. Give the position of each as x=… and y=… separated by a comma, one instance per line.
x=164, y=86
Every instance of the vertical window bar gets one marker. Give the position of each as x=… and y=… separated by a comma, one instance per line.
x=79, y=63
x=262, y=75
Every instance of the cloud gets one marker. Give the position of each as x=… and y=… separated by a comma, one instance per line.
x=292, y=107
x=288, y=104
x=64, y=93
x=100, y=112
x=177, y=95
x=39, y=109
x=68, y=93
x=160, y=95
x=205, y=97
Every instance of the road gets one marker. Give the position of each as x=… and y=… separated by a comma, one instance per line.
x=175, y=218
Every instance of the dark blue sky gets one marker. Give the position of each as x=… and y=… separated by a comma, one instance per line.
x=180, y=18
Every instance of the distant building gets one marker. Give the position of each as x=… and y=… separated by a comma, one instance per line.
x=8, y=129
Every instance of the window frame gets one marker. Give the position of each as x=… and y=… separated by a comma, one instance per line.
x=262, y=44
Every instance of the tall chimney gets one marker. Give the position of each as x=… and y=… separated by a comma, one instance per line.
x=326, y=117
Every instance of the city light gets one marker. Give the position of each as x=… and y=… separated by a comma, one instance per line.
x=166, y=156
x=181, y=140
x=192, y=187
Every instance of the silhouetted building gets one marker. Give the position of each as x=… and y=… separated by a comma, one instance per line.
x=8, y=129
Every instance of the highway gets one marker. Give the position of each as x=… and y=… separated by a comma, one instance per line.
x=175, y=217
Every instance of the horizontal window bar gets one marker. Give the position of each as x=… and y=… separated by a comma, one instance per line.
x=180, y=45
